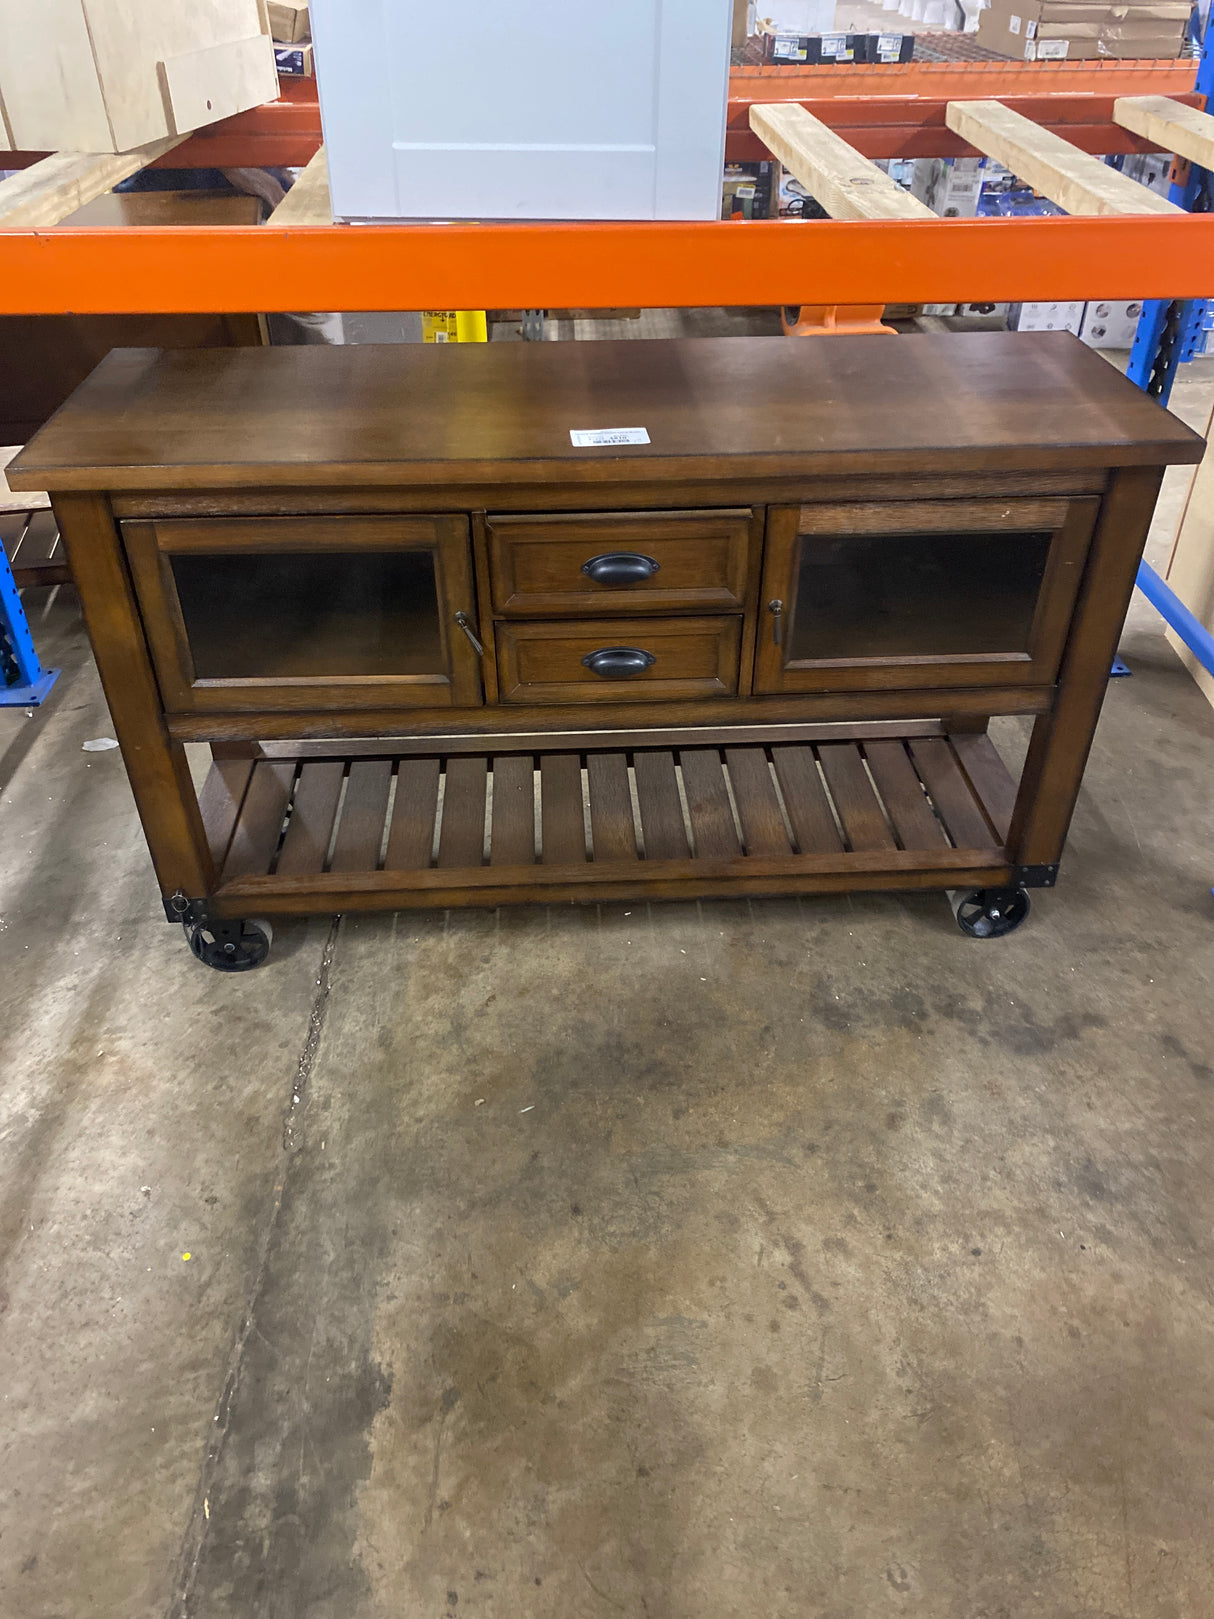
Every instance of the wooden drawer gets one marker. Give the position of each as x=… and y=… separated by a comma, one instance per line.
x=639, y=562
x=674, y=658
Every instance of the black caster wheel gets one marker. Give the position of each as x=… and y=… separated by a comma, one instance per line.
x=231, y=947
x=989, y=913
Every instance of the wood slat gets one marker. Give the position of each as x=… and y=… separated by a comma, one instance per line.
x=1175, y=127
x=805, y=799
x=712, y=824
x=857, y=803
x=754, y=793
x=461, y=840
x=219, y=803
x=914, y=819
x=512, y=836
x=989, y=777
x=611, y=824
x=846, y=184
x=1076, y=181
x=362, y=816
x=661, y=810
x=562, y=820
x=308, y=201
x=52, y=189
x=259, y=824
x=937, y=765
x=311, y=825
x=412, y=836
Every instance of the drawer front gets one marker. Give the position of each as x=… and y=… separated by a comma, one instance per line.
x=621, y=562
x=618, y=660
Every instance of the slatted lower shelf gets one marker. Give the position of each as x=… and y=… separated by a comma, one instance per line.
x=332, y=833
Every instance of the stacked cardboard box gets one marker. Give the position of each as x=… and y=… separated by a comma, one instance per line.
x=291, y=26
x=1071, y=30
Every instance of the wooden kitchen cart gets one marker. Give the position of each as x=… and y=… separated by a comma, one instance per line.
x=445, y=656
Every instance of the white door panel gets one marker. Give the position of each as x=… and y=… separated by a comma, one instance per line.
x=536, y=109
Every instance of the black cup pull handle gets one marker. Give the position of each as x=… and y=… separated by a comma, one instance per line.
x=620, y=568
x=619, y=662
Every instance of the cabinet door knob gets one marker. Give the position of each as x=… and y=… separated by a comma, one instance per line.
x=465, y=624
x=620, y=568
x=618, y=662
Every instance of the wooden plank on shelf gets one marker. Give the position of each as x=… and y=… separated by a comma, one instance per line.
x=1173, y=126
x=461, y=838
x=846, y=184
x=307, y=202
x=805, y=799
x=512, y=839
x=951, y=793
x=49, y=191
x=712, y=823
x=413, y=815
x=858, y=806
x=612, y=828
x=754, y=793
x=219, y=802
x=361, y=830
x=258, y=827
x=661, y=810
x=1076, y=181
x=562, y=818
x=913, y=817
x=989, y=778
x=308, y=831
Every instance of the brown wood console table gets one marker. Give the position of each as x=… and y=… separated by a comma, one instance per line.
x=446, y=654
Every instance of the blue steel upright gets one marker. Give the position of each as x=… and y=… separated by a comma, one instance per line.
x=23, y=681
x=1171, y=330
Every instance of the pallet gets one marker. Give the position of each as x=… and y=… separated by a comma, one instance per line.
x=343, y=833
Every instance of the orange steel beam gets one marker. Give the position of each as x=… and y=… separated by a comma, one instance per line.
x=882, y=109
x=171, y=270
x=963, y=81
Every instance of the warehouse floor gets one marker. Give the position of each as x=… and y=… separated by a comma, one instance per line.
x=801, y=1260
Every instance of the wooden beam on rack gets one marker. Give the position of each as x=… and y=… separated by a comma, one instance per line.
x=847, y=185
x=59, y=184
x=308, y=202
x=1180, y=129
x=1076, y=181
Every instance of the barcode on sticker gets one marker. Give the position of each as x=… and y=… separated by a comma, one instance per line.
x=592, y=438
x=1052, y=49
x=834, y=44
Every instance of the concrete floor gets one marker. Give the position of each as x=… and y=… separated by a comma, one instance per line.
x=801, y=1260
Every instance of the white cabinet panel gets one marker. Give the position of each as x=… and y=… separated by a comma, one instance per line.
x=536, y=109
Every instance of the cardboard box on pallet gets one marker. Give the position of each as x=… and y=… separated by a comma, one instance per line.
x=814, y=48
x=1079, y=30
x=888, y=48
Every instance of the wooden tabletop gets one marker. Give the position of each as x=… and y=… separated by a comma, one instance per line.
x=502, y=412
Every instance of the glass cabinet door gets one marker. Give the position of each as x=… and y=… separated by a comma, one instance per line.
x=326, y=612
x=919, y=593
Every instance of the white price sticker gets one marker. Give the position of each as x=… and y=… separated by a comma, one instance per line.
x=593, y=438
